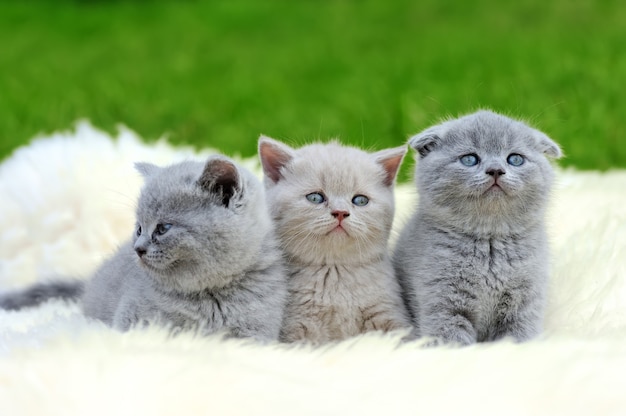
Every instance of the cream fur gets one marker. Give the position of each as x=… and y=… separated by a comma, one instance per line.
x=65, y=203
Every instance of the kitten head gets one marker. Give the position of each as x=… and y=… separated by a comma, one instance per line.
x=484, y=172
x=332, y=204
x=199, y=224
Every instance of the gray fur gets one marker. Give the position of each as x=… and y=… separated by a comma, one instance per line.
x=35, y=295
x=219, y=266
x=473, y=260
x=341, y=281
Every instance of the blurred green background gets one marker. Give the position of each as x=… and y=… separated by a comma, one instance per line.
x=370, y=72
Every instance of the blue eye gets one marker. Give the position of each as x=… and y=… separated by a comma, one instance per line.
x=162, y=228
x=469, y=160
x=515, y=160
x=360, y=200
x=315, y=197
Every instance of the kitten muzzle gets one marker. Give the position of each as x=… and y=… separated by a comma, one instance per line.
x=495, y=187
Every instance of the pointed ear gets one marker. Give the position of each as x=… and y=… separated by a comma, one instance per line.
x=390, y=160
x=426, y=141
x=146, y=169
x=547, y=145
x=220, y=176
x=274, y=156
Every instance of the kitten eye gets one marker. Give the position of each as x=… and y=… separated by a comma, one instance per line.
x=469, y=160
x=315, y=197
x=138, y=230
x=162, y=228
x=515, y=160
x=360, y=200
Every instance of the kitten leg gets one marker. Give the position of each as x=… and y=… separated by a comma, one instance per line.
x=382, y=318
x=295, y=333
x=260, y=330
x=447, y=323
x=519, y=315
x=300, y=330
x=128, y=315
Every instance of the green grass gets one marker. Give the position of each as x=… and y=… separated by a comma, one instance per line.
x=371, y=72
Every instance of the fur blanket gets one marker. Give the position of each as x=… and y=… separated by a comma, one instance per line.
x=67, y=201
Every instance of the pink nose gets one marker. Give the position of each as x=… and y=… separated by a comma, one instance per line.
x=340, y=215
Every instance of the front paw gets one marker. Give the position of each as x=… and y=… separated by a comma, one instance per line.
x=432, y=341
x=297, y=333
x=453, y=335
x=412, y=335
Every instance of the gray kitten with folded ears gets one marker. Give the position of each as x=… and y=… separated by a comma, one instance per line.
x=203, y=257
x=333, y=206
x=473, y=260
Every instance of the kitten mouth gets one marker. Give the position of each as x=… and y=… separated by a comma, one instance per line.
x=495, y=187
x=338, y=230
x=147, y=264
x=151, y=264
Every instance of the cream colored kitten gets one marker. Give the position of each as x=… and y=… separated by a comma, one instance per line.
x=333, y=208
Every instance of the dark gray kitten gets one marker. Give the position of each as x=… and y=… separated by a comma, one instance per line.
x=473, y=260
x=203, y=256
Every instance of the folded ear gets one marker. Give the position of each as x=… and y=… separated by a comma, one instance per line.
x=390, y=160
x=274, y=156
x=146, y=169
x=221, y=177
x=547, y=145
x=426, y=141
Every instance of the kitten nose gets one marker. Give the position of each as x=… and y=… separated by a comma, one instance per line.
x=495, y=172
x=140, y=251
x=340, y=215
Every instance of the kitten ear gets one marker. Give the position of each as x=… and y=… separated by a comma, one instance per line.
x=146, y=169
x=547, y=145
x=426, y=141
x=274, y=156
x=220, y=176
x=390, y=160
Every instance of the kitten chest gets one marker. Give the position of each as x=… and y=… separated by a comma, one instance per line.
x=334, y=302
x=333, y=285
x=486, y=268
x=498, y=275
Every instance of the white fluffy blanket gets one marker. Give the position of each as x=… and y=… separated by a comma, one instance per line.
x=67, y=200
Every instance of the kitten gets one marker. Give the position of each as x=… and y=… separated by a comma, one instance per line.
x=333, y=208
x=473, y=260
x=203, y=256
